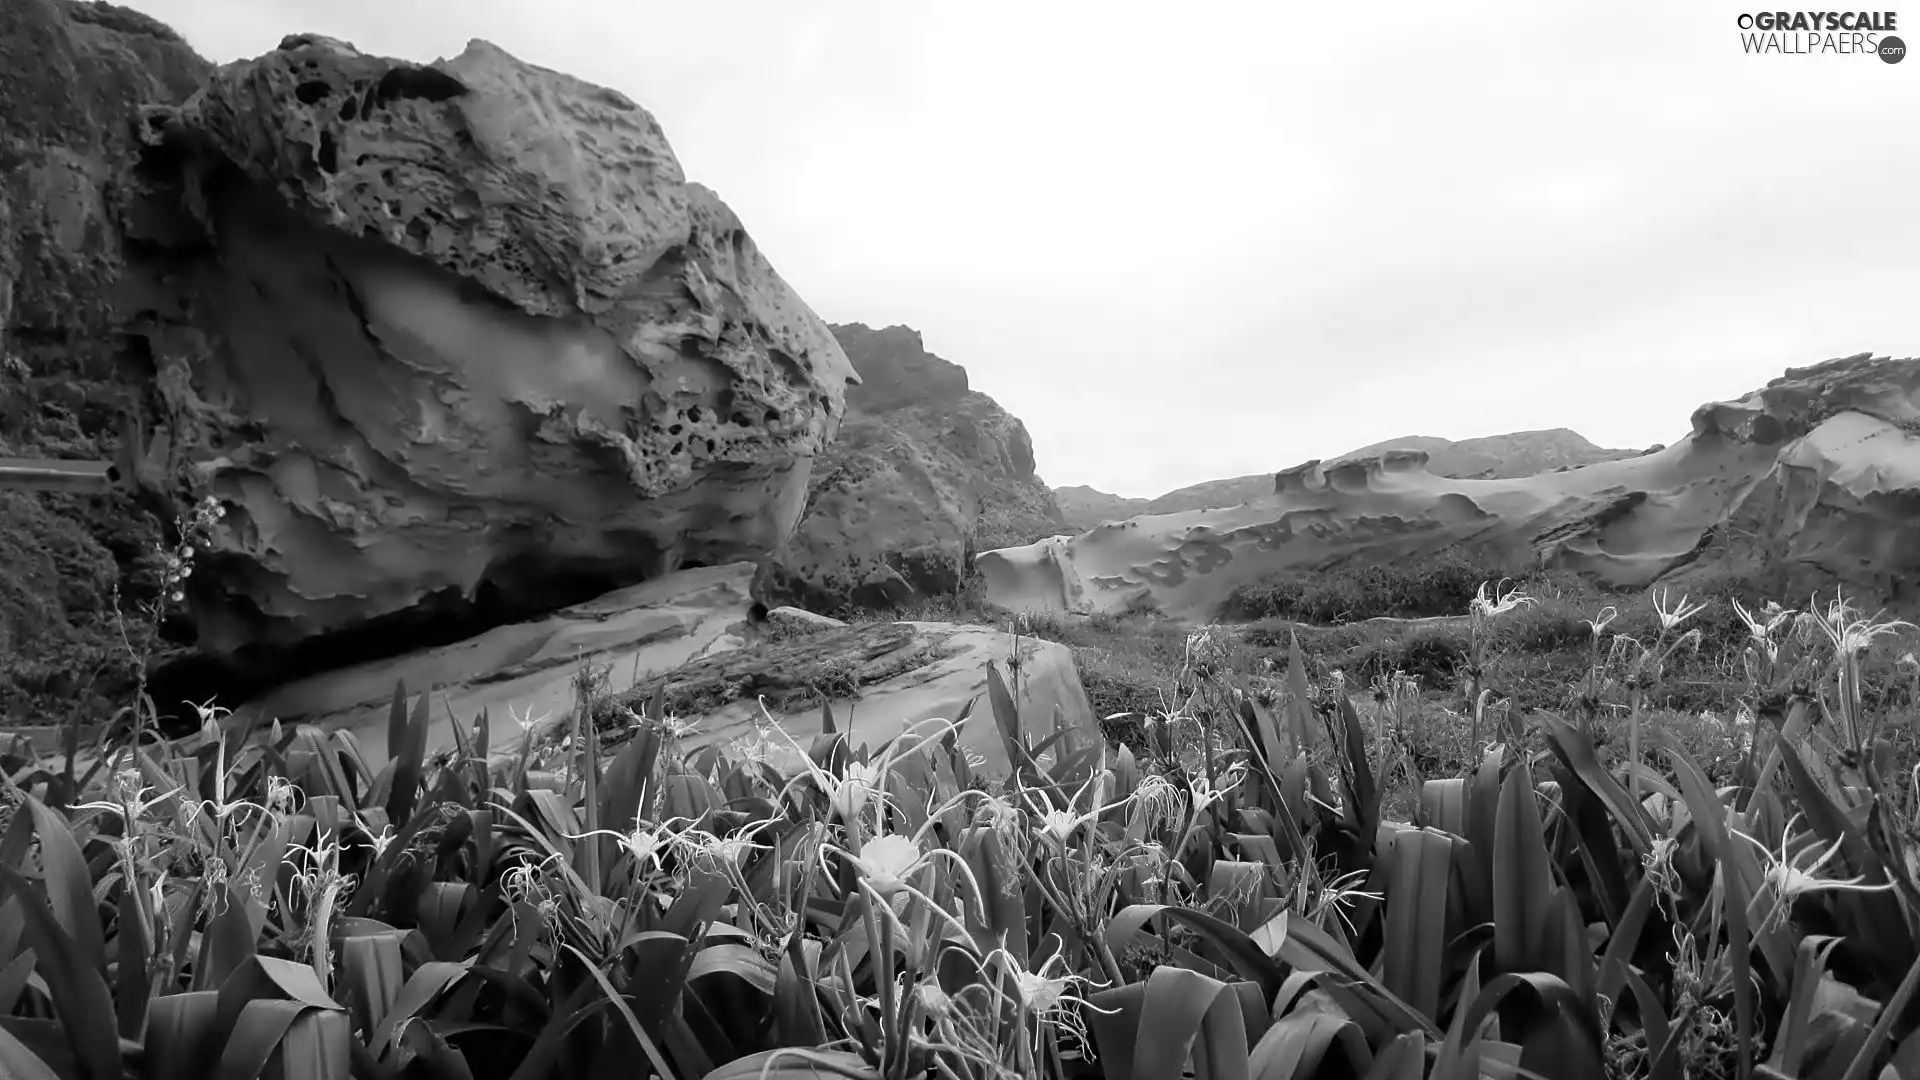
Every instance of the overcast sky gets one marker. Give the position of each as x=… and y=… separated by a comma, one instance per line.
x=1192, y=241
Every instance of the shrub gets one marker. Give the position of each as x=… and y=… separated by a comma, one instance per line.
x=1421, y=586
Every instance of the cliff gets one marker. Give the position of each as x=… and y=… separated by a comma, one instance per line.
x=925, y=472
x=73, y=78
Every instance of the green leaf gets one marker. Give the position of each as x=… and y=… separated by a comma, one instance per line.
x=1522, y=877
x=1241, y=952
x=80, y=996
x=408, y=754
x=1419, y=876
x=792, y=1063
x=19, y=1063
x=69, y=886
x=183, y=1038
x=1300, y=1043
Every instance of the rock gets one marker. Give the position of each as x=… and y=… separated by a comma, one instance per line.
x=1493, y=457
x=456, y=343
x=73, y=77
x=687, y=634
x=800, y=619
x=527, y=670
x=1812, y=482
x=924, y=472
x=878, y=680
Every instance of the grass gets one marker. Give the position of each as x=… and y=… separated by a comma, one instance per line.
x=1368, y=624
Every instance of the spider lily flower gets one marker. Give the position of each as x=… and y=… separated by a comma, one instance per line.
x=1672, y=616
x=1599, y=623
x=1847, y=630
x=1761, y=627
x=1050, y=994
x=1059, y=822
x=1205, y=795
x=867, y=780
x=1792, y=875
x=649, y=846
x=1498, y=603
x=1156, y=803
x=886, y=865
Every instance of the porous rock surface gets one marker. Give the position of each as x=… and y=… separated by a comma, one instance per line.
x=925, y=472
x=1810, y=483
x=456, y=337
x=73, y=77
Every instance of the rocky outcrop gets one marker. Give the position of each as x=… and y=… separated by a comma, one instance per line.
x=1492, y=457
x=925, y=471
x=455, y=342
x=1840, y=503
x=1810, y=483
x=73, y=77
x=688, y=638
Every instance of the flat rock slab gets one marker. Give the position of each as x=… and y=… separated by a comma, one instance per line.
x=688, y=633
x=878, y=679
x=527, y=670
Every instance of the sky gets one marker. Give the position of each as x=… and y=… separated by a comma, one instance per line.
x=1191, y=241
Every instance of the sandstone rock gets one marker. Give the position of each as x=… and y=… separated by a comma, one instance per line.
x=1812, y=482
x=526, y=671
x=801, y=619
x=72, y=79
x=924, y=472
x=1493, y=457
x=457, y=340
x=878, y=680
x=687, y=633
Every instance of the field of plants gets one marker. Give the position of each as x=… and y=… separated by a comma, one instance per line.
x=1217, y=893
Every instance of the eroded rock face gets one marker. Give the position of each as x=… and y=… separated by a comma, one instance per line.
x=1492, y=457
x=925, y=471
x=72, y=79
x=1810, y=483
x=457, y=337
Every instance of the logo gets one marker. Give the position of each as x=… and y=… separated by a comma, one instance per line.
x=1824, y=33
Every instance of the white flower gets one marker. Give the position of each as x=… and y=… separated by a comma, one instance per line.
x=1204, y=793
x=1849, y=632
x=1598, y=624
x=1498, y=603
x=1791, y=875
x=1672, y=617
x=887, y=861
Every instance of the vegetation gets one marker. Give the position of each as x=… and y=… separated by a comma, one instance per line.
x=1283, y=871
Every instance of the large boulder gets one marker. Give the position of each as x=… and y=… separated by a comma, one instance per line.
x=1810, y=483
x=926, y=471
x=73, y=77
x=455, y=342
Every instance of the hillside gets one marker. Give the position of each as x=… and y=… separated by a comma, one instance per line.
x=1492, y=457
x=924, y=472
x=1807, y=484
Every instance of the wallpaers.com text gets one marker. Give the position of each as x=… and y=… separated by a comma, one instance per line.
x=1807, y=32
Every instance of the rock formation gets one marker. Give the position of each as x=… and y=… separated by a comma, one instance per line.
x=925, y=471
x=455, y=340
x=1812, y=482
x=1492, y=457
x=73, y=77
x=687, y=636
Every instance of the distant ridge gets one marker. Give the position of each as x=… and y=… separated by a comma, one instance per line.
x=1492, y=457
